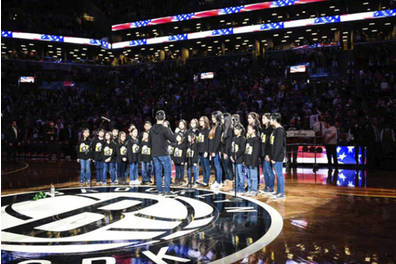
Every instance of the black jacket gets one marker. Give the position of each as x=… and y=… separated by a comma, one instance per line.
x=158, y=138
x=179, y=153
x=109, y=151
x=11, y=137
x=145, y=151
x=265, y=141
x=278, y=144
x=214, y=144
x=192, y=154
x=252, y=151
x=84, y=149
x=133, y=150
x=195, y=131
x=97, y=149
x=238, y=146
x=226, y=140
x=122, y=152
x=203, y=141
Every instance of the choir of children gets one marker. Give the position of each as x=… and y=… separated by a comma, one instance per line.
x=225, y=144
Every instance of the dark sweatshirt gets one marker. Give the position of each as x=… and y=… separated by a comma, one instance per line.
x=278, y=144
x=265, y=141
x=203, y=141
x=158, y=138
x=122, y=152
x=226, y=140
x=238, y=147
x=97, y=149
x=109, y=151
x=84, y=149
x=179, y=153
x=192, y=154
x=214, y=144
x=133, y=150
x=145, y=151
x=252, y=151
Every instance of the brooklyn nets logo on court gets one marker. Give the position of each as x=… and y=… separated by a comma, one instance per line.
x=110, y=225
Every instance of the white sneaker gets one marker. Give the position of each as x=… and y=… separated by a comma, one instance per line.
x=214, y=186
x=137, y=182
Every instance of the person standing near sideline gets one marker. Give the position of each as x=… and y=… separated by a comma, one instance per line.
x=330, y=142
x=84, y=156
x=14, y=141
x=278, y=149
x=158, y=138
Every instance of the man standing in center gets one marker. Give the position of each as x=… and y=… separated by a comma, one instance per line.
x=158, y=139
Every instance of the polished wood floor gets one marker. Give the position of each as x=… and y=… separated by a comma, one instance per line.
x=323, y=222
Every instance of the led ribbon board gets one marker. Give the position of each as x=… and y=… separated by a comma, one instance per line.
x=56, y=38
x=211, y=13
x=205, y=34
x=257, y=28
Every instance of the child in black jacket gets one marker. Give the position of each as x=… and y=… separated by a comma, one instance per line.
x=203, y=148
x=133, y=156
x=122, y=157
x=97, y=151
x=238, y=146
x=192, y=159
x=252, y=152
x=179, y=158
x=84, y=156
x=109, y=157
x=145, y=157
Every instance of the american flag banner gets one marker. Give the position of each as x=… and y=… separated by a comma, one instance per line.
x=385, y=13
x=211, y=13
x=6, y=34
x=345, y=155
x=272, y=26
x=54, y=38
x=327, y=20
x=223, y=32
x=178, y=37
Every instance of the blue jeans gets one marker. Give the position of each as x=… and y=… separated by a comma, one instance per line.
x=106, y=168
x=99, y=170
x=146, y=171
x=205, y=168
x=227, y=168
x=133, y=171
x=165, y=163
x=219, y=173
x=113, y=171
x=179, y=171
x=269, y=176
x=240, y=178
x=85, y=172
x=192, y=170
x=252, y=179
x=121, y=171
x=279, y=177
